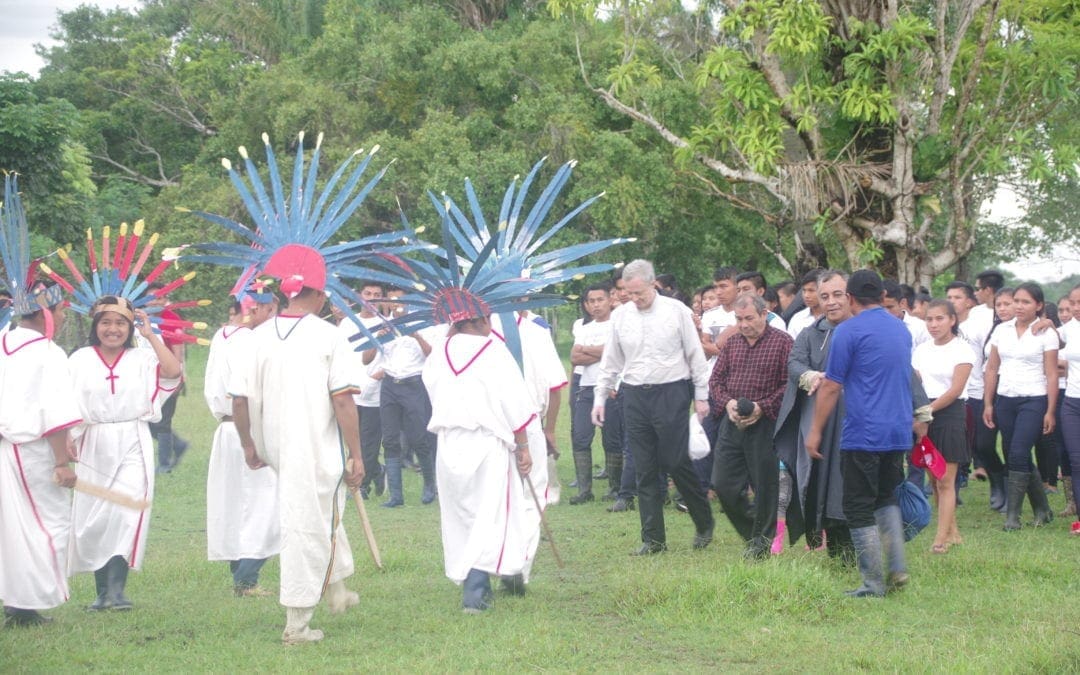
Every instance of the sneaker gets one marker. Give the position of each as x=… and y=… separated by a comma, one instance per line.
x=1076, y=528
x=251, y=592
x=621, y=505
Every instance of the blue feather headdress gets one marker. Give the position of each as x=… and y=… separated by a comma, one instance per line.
x=28, y=294
x=301, y=220
x=501, y=270
x=516, y=242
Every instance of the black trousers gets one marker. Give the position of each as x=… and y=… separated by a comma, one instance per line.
x=741, y=457
x=656, y=419
x=370, y=440
x=870, y=480
x=404, y=408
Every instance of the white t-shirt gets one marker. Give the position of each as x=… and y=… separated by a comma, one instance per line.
x=918, y=330
x=590, y=335
x=1070, y=333
x=403, y=355
x=1021, y=372
x=936, y=363
x=800, y=321
x=974, y=330
x=578, y=323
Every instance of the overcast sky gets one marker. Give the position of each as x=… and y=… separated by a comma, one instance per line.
x=28, y=22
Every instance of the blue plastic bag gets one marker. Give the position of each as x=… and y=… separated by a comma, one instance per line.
x=914, y=508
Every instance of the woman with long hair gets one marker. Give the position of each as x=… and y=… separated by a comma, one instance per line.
x=120, y=389
x=1022, y=371
x=944, y=364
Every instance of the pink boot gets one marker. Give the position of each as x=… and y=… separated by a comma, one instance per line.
x=778, y=540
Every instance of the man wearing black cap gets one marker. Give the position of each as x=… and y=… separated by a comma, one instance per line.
x=870, y=360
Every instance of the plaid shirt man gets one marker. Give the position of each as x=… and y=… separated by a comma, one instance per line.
x=757, y=372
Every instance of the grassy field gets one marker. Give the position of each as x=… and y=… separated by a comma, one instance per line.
x=999, y=603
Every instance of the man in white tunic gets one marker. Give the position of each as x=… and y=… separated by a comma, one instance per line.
x=293, y=409
x=241, y=504
x=480, y=410
x=37, y=407
x=545, y=378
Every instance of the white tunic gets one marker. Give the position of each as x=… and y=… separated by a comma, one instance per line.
x=543, y=373
x=117, y=402
x=296, y=365
x=36, y=399
x=478, y=401
x=241, y=504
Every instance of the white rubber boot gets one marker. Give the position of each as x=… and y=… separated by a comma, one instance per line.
x=339, y=598
x=297, y=631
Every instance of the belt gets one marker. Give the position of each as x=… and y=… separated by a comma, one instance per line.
x=226, y=418
x=402, y=380
x=624, y=385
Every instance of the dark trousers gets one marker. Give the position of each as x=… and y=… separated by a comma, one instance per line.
x=984, y=447
x=404, y=408
x=1020, y=419
x=246, y=571
x=870, y=480
x=1070, y=430
x=582, y=429
x=370, y=440
x=658, y=432
x=742, y=456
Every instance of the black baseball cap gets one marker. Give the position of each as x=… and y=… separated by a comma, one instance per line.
x=865, y=284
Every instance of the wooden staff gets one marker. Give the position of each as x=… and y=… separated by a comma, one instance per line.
x=544, y=523
x=368, y=533
x=111, y=495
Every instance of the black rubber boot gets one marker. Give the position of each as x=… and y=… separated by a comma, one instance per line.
x=427, y=468
x=867, y=542
x=583, y=471
x=614, y=471
x=476, y=593
x=393, y=483
x=997, y=491
x=890, y=526
x=1039, y=503
x=1018, y=482
x=14, y=616
x=101, y=582
x=117, y=568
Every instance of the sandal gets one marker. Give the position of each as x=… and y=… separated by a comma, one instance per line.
x=939, y=548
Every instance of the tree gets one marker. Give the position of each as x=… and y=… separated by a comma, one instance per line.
x=883, y=124
x=38, y=141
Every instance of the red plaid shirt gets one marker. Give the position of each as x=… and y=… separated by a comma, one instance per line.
x=757, y=372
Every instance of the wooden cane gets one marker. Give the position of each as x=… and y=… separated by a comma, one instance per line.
x=368, y=533
x=111, y=495
x=544, y=523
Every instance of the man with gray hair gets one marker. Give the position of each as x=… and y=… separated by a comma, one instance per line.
x=655, y=346
x=746, y=388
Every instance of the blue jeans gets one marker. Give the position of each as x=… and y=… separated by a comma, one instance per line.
x=1070, y=430
x=245, y=571
x=1020, y=419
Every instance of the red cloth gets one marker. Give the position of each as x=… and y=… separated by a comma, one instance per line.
x=757, y=372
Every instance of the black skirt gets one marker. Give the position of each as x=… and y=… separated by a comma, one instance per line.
x=948, y=431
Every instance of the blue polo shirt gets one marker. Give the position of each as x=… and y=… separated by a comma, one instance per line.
x=871, y=358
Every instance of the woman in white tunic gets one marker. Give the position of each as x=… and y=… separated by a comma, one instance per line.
x=36, y=410
x=120, y=390
x=480, y=411
x=241, y=504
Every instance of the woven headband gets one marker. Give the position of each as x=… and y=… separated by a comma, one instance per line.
x=122, y=310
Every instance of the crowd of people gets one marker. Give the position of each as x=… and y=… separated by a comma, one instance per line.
x=812, y=397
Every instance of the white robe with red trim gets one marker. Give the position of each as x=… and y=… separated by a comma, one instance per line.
x=296, y=365
x=241, y=504
x=543, y=373
x=478, y=400
x=117, y=401
x=36, y=399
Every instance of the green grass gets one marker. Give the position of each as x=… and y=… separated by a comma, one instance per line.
x=1001, y=602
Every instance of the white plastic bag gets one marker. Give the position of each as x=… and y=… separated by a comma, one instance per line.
x=699, y=442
